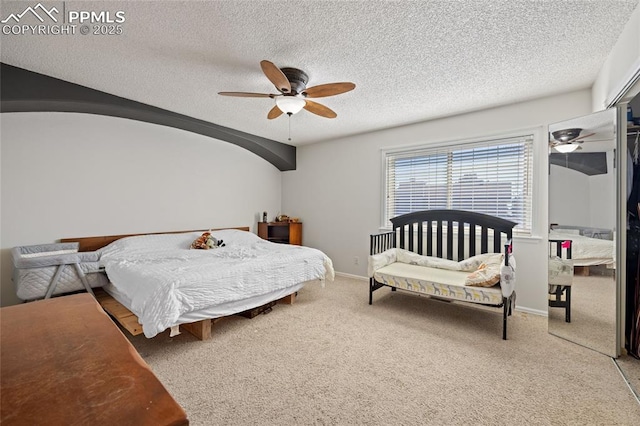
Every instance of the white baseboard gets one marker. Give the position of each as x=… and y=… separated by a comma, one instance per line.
x=355, y=277
x=532, y=311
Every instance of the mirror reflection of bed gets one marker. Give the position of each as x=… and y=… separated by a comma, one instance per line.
x=582, y=214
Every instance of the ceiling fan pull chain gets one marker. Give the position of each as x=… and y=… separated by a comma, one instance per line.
x=289, y=114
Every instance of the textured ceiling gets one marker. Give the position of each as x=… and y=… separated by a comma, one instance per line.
x=411, y=61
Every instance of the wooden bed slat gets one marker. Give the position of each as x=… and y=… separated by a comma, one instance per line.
x=124, y=316
x=449, y=240
x=497, y=240
x=484, y=240
x=410, y=236
x=439, y=239
x=460, y=240
x=472, y=239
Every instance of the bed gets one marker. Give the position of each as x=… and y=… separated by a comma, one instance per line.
x=165, y=283
x=587, y=251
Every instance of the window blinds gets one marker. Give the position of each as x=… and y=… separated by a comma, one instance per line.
x=492, y=177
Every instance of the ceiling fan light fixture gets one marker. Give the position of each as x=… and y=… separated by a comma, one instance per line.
x=290, y=104
x=567, y=147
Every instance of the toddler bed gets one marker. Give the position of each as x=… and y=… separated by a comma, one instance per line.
x=418, y=256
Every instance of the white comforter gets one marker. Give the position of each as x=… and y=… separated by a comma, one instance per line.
x=164, y=279
x=586, y=249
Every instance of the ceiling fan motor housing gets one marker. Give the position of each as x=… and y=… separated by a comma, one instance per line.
x=297, y=78
x=566, y=135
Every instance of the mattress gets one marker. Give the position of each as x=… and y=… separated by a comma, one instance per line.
x=586, y=251
x=165, y=282
x=35, y=268
x=437, y=282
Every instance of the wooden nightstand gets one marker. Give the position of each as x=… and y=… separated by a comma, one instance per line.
x=281, y=232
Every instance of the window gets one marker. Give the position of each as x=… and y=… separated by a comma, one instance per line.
x=491, y=176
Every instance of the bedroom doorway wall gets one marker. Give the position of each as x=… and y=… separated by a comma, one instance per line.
x=584, y=272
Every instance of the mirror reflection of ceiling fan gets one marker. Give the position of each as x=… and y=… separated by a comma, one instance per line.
x=567, y=140
x=293, y=95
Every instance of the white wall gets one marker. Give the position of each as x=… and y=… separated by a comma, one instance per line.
x=336, y=188
x=569, y=198
x=602, y=197
x=578, y=199
x=74, y=175
x=622, y=61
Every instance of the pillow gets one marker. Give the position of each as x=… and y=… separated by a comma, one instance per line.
x=473, y=263
x=560, y=271
x=380, y=260
x=487, y=275
x=412, y=258
x=565, y=231
x=236, y=237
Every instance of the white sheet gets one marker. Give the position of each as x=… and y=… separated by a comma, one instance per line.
x=164, y=279
x=587, y=251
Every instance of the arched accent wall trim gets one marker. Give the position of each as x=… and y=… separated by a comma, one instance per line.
x=27, y=91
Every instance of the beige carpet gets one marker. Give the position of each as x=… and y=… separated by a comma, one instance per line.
x=593, y=314
x=331, y=359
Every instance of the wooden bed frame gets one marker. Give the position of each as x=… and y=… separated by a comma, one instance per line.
x=126, y=318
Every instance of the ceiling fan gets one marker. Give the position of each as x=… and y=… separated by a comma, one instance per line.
x=567, y=140
x=291, y=84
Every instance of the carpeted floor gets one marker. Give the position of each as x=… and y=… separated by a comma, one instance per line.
x=593, y=314
x=332, y=359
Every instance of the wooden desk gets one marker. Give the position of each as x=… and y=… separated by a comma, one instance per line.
x=64, y=362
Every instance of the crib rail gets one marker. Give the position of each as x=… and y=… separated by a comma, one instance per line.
x=381, y=242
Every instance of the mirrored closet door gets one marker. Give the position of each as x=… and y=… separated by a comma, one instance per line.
x=584, y=231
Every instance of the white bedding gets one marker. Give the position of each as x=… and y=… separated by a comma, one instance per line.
x=586, y=251
x=164, y=279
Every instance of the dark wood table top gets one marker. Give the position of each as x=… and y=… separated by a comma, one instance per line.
x=64, y=362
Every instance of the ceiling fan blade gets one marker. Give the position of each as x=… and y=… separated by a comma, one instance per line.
x=276, y=76
x=329, y=89
x=319, y=109
x=581, y=137
x=247, y=94
x=274, y=113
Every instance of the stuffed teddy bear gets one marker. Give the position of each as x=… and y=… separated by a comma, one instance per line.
x=206, y=241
